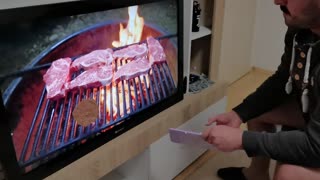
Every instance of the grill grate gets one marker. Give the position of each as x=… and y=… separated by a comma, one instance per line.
x=53, y=128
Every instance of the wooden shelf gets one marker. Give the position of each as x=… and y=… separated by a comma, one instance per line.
x=204, y=31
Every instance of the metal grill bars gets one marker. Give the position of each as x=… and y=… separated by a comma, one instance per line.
x=54, y=129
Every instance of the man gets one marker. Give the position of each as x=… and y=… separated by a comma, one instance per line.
x=290, y=97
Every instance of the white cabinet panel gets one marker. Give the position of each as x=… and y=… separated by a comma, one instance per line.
x=168, y=159
x=164, y=160
x=136, y=168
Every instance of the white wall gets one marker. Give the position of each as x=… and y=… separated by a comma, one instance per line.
x=237, y=35
x=268, y=37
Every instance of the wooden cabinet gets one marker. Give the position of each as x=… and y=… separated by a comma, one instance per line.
x=164, y=159
x=191, y=113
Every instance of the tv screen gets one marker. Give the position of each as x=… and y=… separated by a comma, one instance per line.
x=68, y=75
x=24, y=42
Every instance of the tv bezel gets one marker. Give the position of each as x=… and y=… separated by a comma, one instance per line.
x=30, y=13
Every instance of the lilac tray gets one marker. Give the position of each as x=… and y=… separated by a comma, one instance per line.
x=189, y=138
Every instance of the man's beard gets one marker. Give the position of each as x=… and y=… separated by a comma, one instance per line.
x=302, y=22
x=310, y=19
x=285, y=10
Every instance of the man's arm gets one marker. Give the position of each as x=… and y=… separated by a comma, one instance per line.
x=294, y=147
x=272, y=92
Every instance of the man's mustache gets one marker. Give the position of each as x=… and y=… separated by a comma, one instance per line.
x=284, y=9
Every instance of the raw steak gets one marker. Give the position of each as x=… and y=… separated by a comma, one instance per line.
x=93, y=59
x=133, y=69
x=133, y=51
x=55, y=78
x=95, y=77
x=156, y=53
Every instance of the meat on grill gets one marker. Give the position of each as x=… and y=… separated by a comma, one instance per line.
x=93, y=59
x=95, y=77
x=131, y=52
x=56, y=77
x=156, y=53
x=133, y=69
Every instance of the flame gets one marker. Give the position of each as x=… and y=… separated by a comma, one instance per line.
x=133, y=32
x=114, y=107
x=101, y=95
x=108, y=100
x=128, y=94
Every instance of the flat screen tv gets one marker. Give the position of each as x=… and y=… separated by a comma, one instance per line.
x=76, y=75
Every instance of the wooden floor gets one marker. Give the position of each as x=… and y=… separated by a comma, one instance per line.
x=205, y=167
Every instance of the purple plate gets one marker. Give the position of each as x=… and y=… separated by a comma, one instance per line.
x=189, y=138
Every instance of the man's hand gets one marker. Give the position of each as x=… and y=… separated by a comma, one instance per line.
x=230, y=119
x=224, y=138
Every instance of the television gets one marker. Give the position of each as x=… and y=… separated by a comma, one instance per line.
x=75, y=75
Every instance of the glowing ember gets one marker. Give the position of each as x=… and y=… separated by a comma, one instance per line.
x=114, y=96
x=114, y=100
x=127, y=95
x=133, y=32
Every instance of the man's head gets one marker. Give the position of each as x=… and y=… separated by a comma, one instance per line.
x=301, y=13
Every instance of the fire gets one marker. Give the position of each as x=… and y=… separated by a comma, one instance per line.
x=133, y=32
x=114, y=107
x=115, y=101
